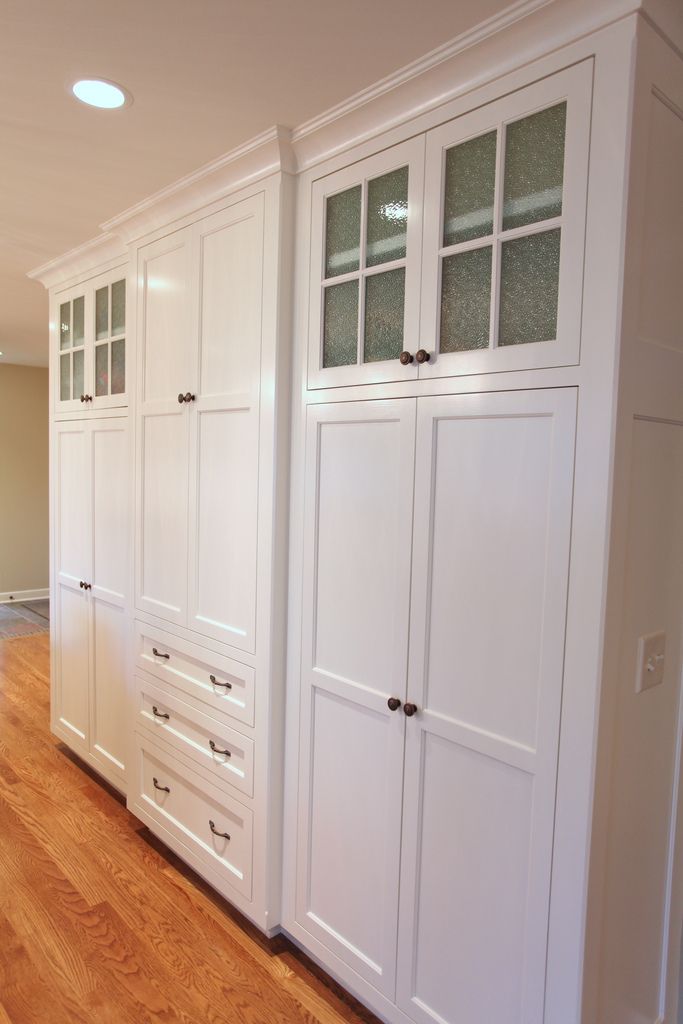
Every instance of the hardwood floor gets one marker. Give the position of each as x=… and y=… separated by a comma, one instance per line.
x=99, y=923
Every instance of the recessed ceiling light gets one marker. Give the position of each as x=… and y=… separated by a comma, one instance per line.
x=98, y=93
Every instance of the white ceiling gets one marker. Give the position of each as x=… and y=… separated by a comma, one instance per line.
x=205, y=77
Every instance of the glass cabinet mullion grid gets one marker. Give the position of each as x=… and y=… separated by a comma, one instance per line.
x=373, y=252
x=362, y=260
x=497, y=225
x=540, y=259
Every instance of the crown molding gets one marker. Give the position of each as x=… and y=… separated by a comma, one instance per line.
x=517, y=36
x=88, y=256
x=258, y=158
x=481, y=31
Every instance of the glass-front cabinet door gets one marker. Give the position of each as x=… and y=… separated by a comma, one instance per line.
x=365, y=270
x=90, y=338
x=71, y=344
x=110, y=342
x=505, y=207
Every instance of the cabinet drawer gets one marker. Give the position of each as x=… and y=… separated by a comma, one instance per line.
x=196, y=813
x=211, y=742
x=219, y=682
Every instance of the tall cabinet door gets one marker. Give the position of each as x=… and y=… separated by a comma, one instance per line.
x=492, y=527
x=224, y=426
x=72, y=562
x=167, y=372
x=110, y=561
x=358, y=524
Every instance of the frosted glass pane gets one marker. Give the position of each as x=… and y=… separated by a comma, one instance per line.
x=102, y=370
x=469, y=189
x=78, y=327
x=534, y=167
x=118, y=307
x=78, y=373
x=65, y=325
x=384, y=295
x=387, y=218
x=340, y=335
x=118, y=367
x=102, y=313
x=466, y=300
x=529, y=282
x=65, y=378
x=342, y=232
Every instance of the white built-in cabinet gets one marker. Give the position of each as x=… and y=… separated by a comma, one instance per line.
x=455, y=512
x=209, y=491
x=91, y=537
x=482, y=308
x=199, y=328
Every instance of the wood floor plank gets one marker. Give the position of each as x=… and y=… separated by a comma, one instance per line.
x=99, y=922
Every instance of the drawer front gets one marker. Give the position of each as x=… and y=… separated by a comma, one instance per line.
x=211, y=742
x=219, y=682
x=197, y=813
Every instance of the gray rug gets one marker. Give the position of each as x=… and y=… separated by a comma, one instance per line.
x=24, y=619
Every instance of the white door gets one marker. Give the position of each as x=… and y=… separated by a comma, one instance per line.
x=224, y=423
x=358, y=526
x=72, y=555
x=110, y=561
x=366, y=238
x=505, y=211
x=493, y=495
x=167, y=373
x=72, y=338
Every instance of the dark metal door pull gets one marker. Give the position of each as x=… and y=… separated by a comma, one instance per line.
x=158, y=654
x=223, y=835
x=164, y=789
x=217, y=750
x=159, y=714
x=217, y=682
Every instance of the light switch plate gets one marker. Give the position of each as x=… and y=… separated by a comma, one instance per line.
x=651, y=651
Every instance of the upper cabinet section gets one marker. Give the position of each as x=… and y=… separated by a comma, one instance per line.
x=460, y=251
x=90, y=343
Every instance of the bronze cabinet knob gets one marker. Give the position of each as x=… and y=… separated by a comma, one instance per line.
x=405, y=358
x=181, y=399
x=189, y=397
x=393, y=703
x=422, y=355
x=409, y=709
x=82, y=398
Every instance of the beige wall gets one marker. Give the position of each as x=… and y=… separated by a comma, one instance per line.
x=24, y=543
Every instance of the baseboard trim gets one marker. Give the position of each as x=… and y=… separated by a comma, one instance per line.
x=17, y=596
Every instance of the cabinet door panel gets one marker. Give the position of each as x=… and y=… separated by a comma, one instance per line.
x=109, y=596
x=110, y=509
x=231, y=259
x=223, y=600
x=359, y=469
x=72, y=664
x=503, y=242
x=72, y=503
x=162, y=538
x=366, y=232
x=167, y=311
x=224, y=435
x=109, y=689
x=491, y=551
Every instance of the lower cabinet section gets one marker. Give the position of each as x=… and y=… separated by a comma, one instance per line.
x=213, y=830
x=430, y=699
x=91, y=630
